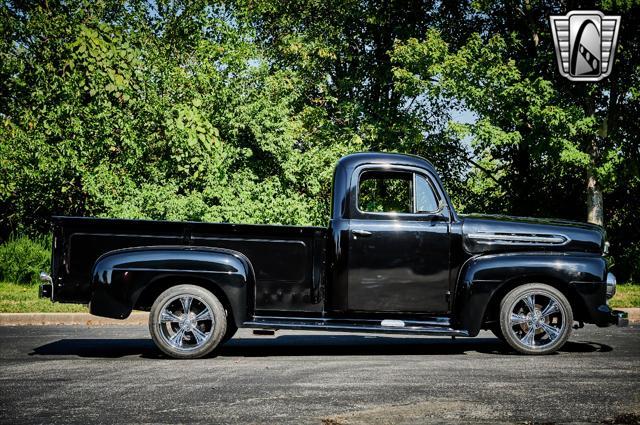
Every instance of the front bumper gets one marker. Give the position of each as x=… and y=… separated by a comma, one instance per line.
x=604, y=316
x=619, y=318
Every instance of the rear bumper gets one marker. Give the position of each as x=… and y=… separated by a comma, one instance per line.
x=46, y=287
x=46, y=290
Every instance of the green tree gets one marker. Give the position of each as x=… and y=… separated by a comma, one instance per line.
x=238, y=111
x=341, y=52
x=125, y=110
x=542, y=144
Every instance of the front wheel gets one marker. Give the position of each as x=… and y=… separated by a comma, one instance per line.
x=187, y=322
x=497, y=331
x=535, y=319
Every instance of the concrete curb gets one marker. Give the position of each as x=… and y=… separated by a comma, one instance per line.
x=84, y=319
x=136, y=318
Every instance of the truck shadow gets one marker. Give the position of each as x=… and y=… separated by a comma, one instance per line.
x=303, y=345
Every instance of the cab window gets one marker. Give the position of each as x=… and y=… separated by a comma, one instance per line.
x=396, y=192
x=426, y=200
x=385, y=192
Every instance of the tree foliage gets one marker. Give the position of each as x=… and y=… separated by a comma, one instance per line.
x=121, y=110
x=543, y=145
x=237, y=111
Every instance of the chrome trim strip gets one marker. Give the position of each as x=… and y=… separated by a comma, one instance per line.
x=551, y=239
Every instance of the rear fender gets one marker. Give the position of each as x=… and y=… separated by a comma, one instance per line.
x=120, y=277
x=580, y=276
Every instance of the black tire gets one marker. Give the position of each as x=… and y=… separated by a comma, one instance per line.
x=231, y=331
x=497, y=331
x=192, y=335
x=541, y=331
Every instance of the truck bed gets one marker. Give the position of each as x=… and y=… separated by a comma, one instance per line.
x=288, y=261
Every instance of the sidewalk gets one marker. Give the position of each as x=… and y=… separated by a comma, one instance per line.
x=137, y=318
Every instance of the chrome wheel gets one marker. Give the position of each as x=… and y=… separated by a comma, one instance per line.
x=535, y=318
x=186, y=322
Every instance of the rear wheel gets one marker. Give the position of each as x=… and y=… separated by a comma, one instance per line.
x=187, y=322
x=535, y=319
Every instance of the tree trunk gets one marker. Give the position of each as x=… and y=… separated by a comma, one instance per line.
x=595, y=203
x=595, y=208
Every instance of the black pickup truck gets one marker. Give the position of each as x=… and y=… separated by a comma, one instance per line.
x=396, y=259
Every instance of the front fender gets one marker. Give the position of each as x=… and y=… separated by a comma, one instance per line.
x=580, y=276
x=120, y=277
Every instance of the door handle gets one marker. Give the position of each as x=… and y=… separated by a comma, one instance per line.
x=362, y=233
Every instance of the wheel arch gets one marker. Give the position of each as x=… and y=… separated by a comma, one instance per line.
x=493, y=306
x=132, y=278
x=153, y=290
x=485, y=280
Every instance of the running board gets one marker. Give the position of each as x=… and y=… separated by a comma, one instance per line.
x=437, y=326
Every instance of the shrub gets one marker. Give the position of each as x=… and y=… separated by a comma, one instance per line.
x=22, y=259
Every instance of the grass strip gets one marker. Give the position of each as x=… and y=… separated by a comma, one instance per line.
x=15, y=298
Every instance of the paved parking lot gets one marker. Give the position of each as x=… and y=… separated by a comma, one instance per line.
x=73, y=374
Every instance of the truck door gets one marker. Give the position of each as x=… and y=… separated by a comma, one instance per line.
x=398, y=259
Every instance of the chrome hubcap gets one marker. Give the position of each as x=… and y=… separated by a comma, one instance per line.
x=537, y=320
x=186, y=322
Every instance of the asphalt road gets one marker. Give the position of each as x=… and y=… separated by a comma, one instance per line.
x=68, y=374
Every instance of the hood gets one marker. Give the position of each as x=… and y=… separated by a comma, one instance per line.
x=495, y=233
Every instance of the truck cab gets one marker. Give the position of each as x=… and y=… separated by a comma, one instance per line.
x=395, y=258
x=390, y=236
